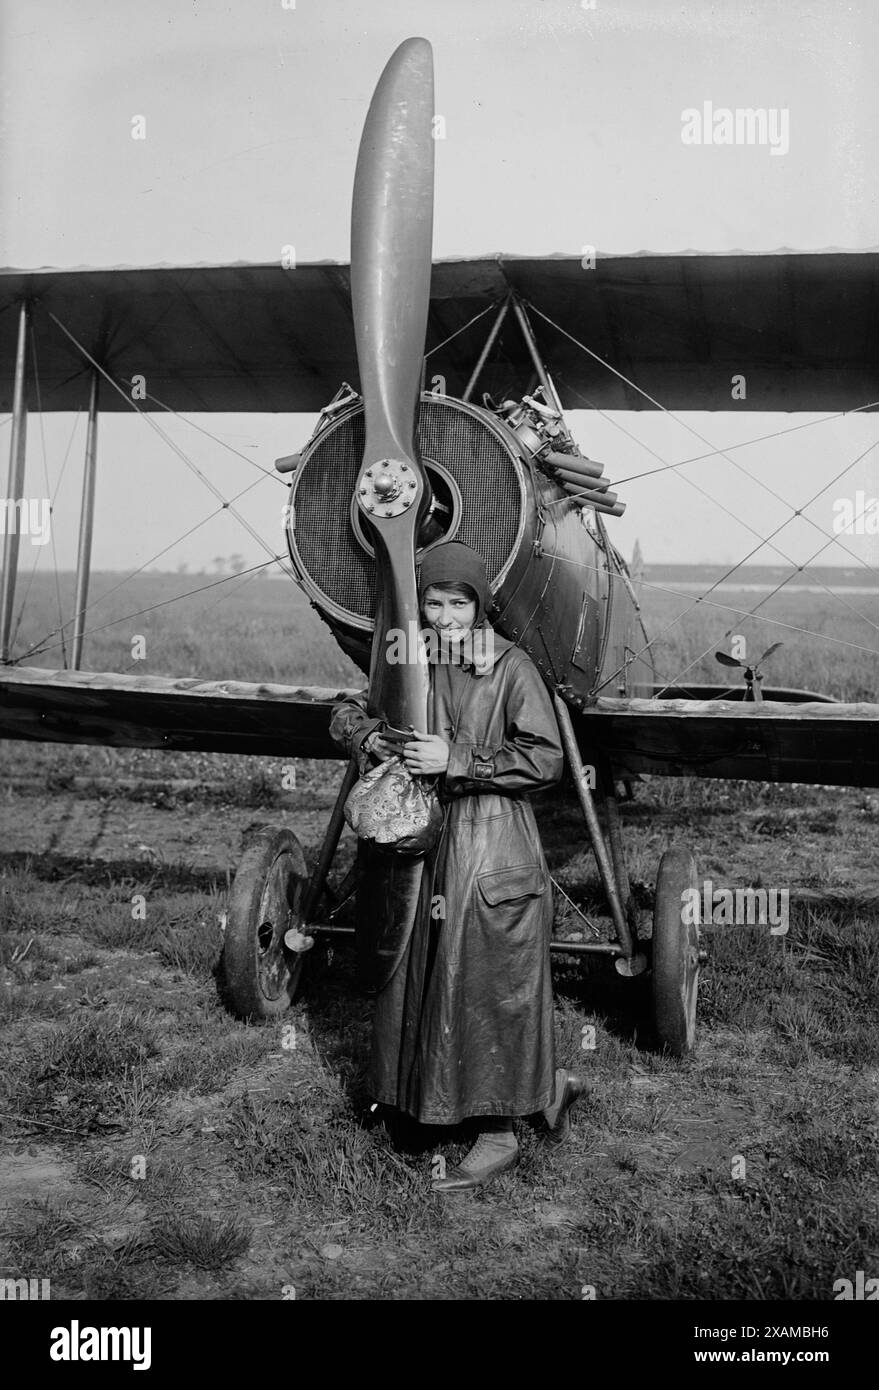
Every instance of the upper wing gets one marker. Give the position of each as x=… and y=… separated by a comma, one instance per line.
x=831, y=744
x=165, y=712
x=243, y=337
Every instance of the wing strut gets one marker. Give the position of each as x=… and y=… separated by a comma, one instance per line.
x=86, y=523
x=16, y=503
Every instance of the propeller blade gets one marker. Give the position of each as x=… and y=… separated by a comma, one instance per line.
x=391, y=241
x=726, y=660
x=774, y=648
x=391, y=236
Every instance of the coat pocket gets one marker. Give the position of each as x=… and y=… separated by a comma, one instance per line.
x=506, y=885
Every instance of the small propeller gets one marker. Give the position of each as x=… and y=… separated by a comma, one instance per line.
x=726, y=660
x=391, y=241
x=752, y=670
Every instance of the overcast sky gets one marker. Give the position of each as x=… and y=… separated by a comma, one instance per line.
x=563, y=128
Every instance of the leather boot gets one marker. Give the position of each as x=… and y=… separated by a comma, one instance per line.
x=568, y=1090
x=494, y=1152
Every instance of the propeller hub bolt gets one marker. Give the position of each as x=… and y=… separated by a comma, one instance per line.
x=384, y=489
x=386, y=485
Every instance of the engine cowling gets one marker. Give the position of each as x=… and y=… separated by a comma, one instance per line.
x=548, y=563
x=479, y=483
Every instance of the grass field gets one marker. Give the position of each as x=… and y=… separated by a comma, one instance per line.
x=154, y=1147
x=251, y=628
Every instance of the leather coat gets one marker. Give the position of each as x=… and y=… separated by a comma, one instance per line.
x=464, y=1021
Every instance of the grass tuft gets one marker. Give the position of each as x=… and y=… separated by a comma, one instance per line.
x=199, y=1240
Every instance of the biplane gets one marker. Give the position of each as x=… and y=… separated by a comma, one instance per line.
x=409, y=456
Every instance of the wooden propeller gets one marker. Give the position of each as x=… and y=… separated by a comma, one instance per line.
x=391, y=241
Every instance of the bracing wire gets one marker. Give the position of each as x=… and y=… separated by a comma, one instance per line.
x=745, y=443
x=224, y=444
x=768, y=540
x=763, y=540
x=691, y=428
x=703, y=597
x=34, y=567
x=667, y=467
x=786, y=580
x=463, y=329
x=151, y=608
x=101, y=598
x=54, y=497
x=225, y=504
x=726, y=607
x=231, y=593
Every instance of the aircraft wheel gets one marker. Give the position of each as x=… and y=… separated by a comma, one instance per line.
x=675, y=955
x=262, y=975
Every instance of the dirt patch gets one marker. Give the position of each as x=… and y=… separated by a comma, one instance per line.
x=37, y=1173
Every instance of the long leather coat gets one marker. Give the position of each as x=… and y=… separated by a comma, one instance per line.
x=464, y=1025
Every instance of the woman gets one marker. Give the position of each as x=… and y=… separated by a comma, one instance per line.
x=464, y=1026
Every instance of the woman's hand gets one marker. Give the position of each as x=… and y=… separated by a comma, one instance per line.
x=426, y=754
x=379, y=747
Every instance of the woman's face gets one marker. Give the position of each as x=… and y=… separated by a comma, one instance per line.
x=453, y=613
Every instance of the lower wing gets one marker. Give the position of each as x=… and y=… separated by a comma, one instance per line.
x=167, y=712
x=775, y=741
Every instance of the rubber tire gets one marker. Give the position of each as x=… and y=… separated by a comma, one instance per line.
x=272, y=875
x=675, y=980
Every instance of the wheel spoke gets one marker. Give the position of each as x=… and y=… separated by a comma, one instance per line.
x=262, y=975
x=275, y=914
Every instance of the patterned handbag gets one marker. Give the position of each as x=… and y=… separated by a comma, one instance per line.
x=392, y=809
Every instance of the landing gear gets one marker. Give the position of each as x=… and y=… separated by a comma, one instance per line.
x=675, y=955
x=675, y=950
x=262, y=973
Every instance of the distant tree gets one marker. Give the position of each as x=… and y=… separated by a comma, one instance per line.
x=183, y=567
x=637, y=566
x=236, y=563
x=219, y=563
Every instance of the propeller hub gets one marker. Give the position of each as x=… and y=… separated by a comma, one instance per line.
x=387, y=488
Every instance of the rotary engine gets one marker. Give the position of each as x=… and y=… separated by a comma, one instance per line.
x=493, y=473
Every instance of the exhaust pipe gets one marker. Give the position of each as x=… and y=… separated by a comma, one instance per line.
x=601, y=501
x=575, y=463
x=570, y=479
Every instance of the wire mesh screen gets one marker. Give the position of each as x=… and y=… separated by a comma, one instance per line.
x=455, y=437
